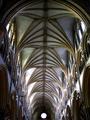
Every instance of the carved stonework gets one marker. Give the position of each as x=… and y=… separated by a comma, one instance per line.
x=68, y=113
x=76, y=106
x=86, y=87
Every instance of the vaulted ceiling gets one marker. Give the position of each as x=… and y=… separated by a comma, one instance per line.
x=45, y=45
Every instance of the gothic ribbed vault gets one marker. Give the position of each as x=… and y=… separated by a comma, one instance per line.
x=45, y=47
